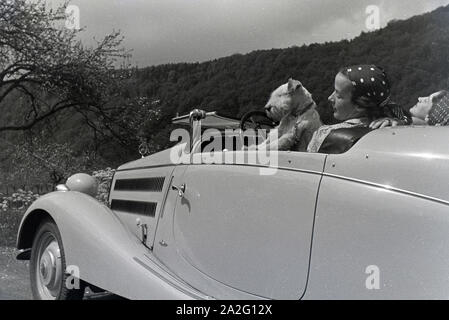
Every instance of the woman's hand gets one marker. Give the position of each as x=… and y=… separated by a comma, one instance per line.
x=385, y=122
x=418, y=121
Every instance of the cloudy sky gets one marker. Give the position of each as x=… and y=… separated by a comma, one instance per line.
x=164, y=31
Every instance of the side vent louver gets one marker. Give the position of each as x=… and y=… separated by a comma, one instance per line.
x=154, y=184
x=134, y=207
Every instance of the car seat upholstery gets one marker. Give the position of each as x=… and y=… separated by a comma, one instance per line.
x=341, y=140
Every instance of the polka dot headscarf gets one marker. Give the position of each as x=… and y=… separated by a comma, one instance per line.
x=371, y=85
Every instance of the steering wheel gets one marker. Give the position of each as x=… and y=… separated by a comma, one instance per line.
x=255, y=120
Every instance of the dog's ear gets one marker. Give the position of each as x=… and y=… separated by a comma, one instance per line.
x=293, y=85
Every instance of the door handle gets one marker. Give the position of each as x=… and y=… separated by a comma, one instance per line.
x=163, y=243
x=181, y=190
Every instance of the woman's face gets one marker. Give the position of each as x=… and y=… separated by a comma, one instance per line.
x=340, y=99
x=421, y=109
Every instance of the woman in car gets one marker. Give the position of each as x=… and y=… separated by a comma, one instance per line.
x=361, y=99
x=432, y=110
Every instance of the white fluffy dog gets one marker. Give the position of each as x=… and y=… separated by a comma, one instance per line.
x=293, y=106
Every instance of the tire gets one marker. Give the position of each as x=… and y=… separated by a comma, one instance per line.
x=48, y=265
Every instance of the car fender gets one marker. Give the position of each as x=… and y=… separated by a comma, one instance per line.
x=98, y=246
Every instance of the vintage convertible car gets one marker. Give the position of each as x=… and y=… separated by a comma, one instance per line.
x=369, y=223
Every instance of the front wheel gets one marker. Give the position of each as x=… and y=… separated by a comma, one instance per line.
x=48, y=267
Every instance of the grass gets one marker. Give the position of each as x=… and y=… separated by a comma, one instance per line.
x=9, y=225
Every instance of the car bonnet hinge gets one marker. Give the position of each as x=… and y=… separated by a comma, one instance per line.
x=144, y=229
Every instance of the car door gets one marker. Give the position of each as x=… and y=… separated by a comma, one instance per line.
x=236, y=232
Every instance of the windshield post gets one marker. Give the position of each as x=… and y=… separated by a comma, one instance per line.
x=195, y=118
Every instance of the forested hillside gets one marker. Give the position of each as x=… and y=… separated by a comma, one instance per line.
x=414, y=52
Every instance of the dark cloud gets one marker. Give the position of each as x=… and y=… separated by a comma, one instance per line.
x=163, y=31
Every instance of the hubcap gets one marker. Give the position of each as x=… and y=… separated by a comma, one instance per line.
x=49, y=268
